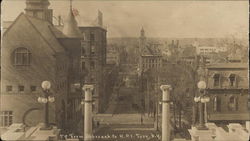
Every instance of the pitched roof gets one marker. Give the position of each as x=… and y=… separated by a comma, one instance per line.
x=70, y=28
x=151, y=50
x=47, y=31
x=189, y=51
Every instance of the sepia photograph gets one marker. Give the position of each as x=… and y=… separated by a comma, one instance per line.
x=124, y=70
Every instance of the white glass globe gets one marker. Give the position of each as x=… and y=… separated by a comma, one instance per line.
x=202, y=85
x=46, y=85
x=51, y=99
x=197, y=99
x=44, y=100
x=39, y=99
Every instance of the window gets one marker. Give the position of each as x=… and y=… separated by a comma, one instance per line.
x=6, y=118
x=233, y=104
x=92, y=49
x=8, y=88
x=217, y=104
x=92, y=37
x=20, y=88
x=22, y=56
x=216, y=80
x=232, y=80
x=32, y=88
x=83, y=65
x=248, y=103
x=82, y=47
x=35, y=13
x=92, y=65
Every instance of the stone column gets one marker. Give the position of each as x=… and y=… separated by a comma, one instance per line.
x=88, y=112
x=166, y=112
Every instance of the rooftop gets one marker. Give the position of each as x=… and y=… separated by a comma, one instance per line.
x=151, y=50
x=228, y=65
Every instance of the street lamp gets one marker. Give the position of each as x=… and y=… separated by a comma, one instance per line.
x=201, y=100
x=46, y=85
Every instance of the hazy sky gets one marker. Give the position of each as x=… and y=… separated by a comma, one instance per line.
x=159, y=18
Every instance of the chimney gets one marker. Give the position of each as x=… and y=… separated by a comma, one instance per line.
x=100, y=18
x=177, y=44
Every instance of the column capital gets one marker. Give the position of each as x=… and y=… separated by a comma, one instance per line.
x=166, y=87
x=88, y=88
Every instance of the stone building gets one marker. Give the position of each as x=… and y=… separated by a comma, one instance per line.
x=113, y=55
x=228, y=89
x=68, y=56
x=150, y=61
x=31, y=54
x=150, y=55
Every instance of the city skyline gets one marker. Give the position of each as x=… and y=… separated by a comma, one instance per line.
x=174, y=19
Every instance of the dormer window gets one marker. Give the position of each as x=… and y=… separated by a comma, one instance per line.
x=216, y=78
x=21, y=57
x=232, y=80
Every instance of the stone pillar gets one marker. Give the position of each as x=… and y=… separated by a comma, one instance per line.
x=248, y=126
x=88, y=112
x=166, y=112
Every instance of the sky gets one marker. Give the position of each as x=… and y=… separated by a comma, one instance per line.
x=173, y=19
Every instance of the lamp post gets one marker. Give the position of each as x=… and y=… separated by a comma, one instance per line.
x=46, y=99
x=201, y=100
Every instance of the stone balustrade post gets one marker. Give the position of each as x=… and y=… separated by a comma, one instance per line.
x=88, y=112
x=166, y=112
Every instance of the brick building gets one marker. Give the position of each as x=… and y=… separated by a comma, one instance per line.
x=69, y=56
x=93, y=61
x=228, y=88
x=31, y=54
x=150, y=54
x=150, y=61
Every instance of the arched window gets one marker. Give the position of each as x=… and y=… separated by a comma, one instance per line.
x=217, y=104
x=21, y=57
x=216, y=80
x=232, y=80
x=232, y=103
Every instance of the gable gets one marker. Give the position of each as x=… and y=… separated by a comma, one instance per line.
x=22, y=34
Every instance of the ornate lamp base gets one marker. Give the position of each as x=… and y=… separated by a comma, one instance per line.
x=201, y=127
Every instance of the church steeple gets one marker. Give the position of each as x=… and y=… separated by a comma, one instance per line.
x=39, y=9
x=142, y=32
x=70, y=28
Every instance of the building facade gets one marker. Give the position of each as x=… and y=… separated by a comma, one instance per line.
x=68, y=56
x=150, y=55
x=150, y=61
x=93, y=61
x=227, y=87
x=32, y=54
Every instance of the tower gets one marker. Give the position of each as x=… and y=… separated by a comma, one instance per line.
x=70, y=28
x=39, y=9
x=142, y=41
